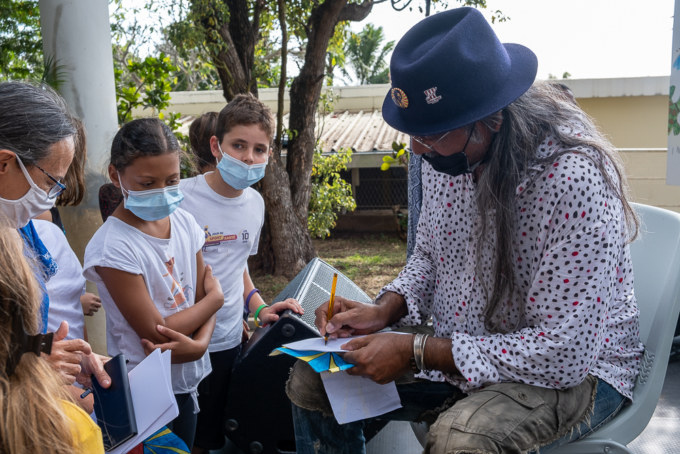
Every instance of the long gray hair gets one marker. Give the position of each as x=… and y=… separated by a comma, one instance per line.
x=526, y=123
x=32, y=119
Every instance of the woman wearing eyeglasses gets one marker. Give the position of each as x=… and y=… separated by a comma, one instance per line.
x=38, y=415
x=37, y=135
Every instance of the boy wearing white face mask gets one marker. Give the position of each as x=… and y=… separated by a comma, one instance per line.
x=231, y=214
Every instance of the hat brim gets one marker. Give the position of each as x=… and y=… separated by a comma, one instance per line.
x=523, y=68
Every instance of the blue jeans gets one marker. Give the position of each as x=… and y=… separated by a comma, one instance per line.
x=608, y=402
x=317, y=433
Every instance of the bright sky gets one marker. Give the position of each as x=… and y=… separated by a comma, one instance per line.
x=587, y=38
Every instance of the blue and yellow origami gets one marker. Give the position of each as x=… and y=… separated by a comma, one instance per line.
x=320, y=361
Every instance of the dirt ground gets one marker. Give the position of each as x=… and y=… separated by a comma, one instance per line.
x=370, y=260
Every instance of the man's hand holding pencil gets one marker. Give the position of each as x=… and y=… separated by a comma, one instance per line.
x=330, y=303
x=349, y=318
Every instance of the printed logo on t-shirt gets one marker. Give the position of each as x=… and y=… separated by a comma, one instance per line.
x=216, y=238
x=245, y=236
x=178, y=292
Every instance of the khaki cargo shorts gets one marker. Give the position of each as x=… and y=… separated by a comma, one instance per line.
x=510, y=418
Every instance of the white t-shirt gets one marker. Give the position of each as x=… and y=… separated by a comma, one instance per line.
x=232, y=231
x=169, y=270
x=65, y=287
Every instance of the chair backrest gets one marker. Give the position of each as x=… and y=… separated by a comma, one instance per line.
x=656, y=266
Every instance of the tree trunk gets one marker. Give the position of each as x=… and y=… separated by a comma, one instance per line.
x=232, y=46
x=278, y=139
x=286, y=193
x=305, y=92
x=291, y=245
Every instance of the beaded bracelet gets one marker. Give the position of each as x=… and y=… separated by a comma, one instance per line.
x=257, y=313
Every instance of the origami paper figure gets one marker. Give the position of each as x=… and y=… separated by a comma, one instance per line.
x=320, y=361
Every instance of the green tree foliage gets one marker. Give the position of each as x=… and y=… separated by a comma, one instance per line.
x=399, y=156
x=243, y=52
x=336, y=54
x=194, y=72
x=190, y=46
x=143, y=49
x=20, y=40
x=366, y=53
x=330, y=194
x=144, y=83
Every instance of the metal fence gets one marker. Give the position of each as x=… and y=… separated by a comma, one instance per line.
x=376, y=189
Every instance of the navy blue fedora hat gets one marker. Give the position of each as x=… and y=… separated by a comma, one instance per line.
x=451, y=70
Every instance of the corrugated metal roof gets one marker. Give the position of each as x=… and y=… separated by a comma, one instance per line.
x=363, y=131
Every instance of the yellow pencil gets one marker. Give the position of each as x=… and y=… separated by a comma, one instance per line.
x=330, y=304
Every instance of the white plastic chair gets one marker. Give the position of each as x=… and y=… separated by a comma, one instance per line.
x=656, y=267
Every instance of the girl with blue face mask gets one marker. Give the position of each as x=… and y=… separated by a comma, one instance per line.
x=147, y=263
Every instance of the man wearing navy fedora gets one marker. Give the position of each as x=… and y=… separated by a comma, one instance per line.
x=519, y=289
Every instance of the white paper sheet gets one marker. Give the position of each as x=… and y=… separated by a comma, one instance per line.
x=354, y=398
x=318, y=344
x=152, y=397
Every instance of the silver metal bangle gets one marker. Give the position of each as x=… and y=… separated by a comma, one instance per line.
x=419, y=342
x=422, y=361
x=416, y=343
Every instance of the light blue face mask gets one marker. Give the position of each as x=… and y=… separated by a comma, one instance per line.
x=238, y=174
x=153, y=204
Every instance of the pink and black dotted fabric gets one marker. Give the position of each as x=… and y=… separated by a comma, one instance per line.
x=572, y=270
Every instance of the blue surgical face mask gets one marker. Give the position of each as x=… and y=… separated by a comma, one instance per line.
x=153, y=204
x=238, y=174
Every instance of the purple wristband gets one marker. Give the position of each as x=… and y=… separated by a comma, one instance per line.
x=246, y=305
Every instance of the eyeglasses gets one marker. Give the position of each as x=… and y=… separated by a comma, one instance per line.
x=58, y=187
x=434, y=140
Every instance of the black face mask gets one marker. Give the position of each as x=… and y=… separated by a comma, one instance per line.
x=454, y=165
